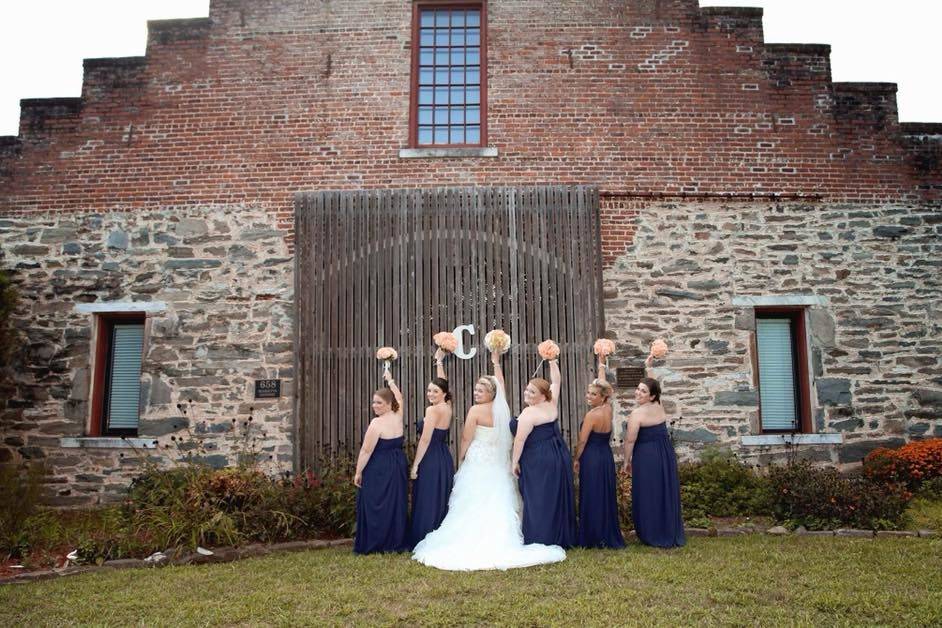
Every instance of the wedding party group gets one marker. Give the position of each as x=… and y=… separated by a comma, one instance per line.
x=511, y=502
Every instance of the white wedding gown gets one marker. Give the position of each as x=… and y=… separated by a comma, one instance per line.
x=482, y=528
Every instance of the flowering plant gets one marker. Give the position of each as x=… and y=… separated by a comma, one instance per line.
x=446, y=341
x=497, y=340
x=659, y=348
x=604, y=347
x=548, y=350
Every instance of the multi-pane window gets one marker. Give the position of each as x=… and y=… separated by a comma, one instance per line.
x=783, y=394
x=449, y=68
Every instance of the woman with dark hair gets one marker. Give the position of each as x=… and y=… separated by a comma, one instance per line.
x=595, y=464
x=433, y=470
x=382, y=501
x=650, y=457
x=542, y=463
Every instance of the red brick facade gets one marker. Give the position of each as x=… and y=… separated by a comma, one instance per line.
x=643, y=98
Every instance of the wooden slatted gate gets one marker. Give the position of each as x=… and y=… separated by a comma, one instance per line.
x=393, y=267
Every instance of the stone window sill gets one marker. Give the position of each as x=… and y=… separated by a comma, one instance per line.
x=793, y=439
x=107, y=442
x=439, y=153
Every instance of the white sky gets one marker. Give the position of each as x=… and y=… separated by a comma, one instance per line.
x=43, y=42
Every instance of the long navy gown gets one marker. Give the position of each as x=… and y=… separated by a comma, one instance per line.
x=382, y=509
x=549, y=513
x=598, y=505
x=430, y=491
x=655, y=490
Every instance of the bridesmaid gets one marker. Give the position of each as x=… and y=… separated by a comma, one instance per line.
x=595, y=464
x=543, y=465
x=381, y=477
x=649, y=453
x=433, y=469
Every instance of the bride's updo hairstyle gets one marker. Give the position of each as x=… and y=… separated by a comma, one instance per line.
x=489, y=382
x=443, y=385
x=388, y=397
x=543, y=386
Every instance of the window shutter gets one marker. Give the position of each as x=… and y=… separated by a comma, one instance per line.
x=777, y=395
x=124, y=385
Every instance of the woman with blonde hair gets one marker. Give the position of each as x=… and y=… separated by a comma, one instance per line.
x=598, y=506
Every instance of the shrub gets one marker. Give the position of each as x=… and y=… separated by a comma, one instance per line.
x=326, y=501
x=912, y=464
x=720, y=485
x=20, y=490
x=823, y=498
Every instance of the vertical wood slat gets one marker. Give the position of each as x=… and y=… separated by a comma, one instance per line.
x=386, y=267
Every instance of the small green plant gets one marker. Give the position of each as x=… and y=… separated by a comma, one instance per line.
x=20, y=490
x=719, y=485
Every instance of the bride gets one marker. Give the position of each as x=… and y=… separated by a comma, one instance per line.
x=482, y=528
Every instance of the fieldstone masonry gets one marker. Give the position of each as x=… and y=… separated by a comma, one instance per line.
x=875, y=344
x=224, y=277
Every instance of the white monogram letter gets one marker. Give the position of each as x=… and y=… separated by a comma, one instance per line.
x=460, y=352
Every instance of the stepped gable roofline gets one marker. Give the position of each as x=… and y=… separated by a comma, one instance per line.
x=114, y=62
x=921, y=128
x=733, y=11
x=168, y=31
x=809, y=49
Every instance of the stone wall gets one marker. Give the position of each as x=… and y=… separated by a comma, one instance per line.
x=226, y=279
x=875, y=344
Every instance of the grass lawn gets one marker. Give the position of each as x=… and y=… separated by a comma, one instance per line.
x=747, y=580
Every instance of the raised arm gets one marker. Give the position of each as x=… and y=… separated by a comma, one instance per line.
x=631, y=435
x=647, y=365
x=391, y=384
x=556, y=380
x=440, y=364
x=498, y=370
x=524, y=427
x=602, y=375
x=428, y=428
x=366, y=450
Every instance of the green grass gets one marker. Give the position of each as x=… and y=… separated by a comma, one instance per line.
x=748, y=580
x=925, y=514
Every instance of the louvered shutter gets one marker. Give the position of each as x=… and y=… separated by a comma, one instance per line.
x=777, y=386
x=124, y=384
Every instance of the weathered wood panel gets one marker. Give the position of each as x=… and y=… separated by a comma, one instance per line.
x=393, y=267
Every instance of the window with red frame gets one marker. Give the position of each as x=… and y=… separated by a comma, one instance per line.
x=781, y=347
x=117, y=383
x=448, y=75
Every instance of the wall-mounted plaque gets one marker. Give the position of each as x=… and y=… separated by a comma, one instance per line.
x=267, y=388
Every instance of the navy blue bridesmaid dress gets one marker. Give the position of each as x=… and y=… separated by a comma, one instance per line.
x=549, y=513
x=598, y=505
x=432, y=487
x=382, y=508
x=655, y=490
